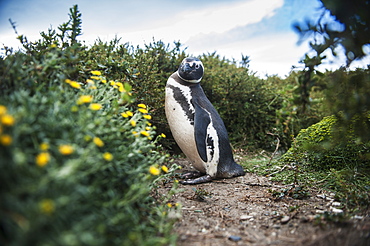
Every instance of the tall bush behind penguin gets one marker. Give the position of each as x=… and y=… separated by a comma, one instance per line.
x=197, y=127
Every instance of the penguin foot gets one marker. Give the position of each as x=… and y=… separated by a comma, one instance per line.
x=190, y=174
x=199, y=180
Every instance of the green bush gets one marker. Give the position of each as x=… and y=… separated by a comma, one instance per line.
x=78, y=158
x=317, y=147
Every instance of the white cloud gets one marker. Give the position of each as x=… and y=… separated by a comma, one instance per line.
x=217, y=19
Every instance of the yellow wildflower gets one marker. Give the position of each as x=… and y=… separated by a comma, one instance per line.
x=90, y=82
x=133, y=123
x=129, y=113
x=169, y=205
x=135, y=133
x=47, y=206
x=98, y=142
x=2, y=109
x=7, y=120
x=165, y=169
x=95, y=106
x=84, y=99
x=145, y=133
x=68, y=81
x=98, y=73
x=153, y=170
x=119, y=84
x=66, y=149
x=141, y=105
x=75, y=84
x=124, y=115
x=104, y=81
x=112, y=83
x=142, y=110
x=95, y=77
x=147, y=128
x=147, y=116
x=107, y=156
x=163, y=135
x=42, y=159
x=6, y=140
x=53, y=45
x=121, y=89
x=44, y=146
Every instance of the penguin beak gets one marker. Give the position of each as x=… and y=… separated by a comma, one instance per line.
x=186, y=68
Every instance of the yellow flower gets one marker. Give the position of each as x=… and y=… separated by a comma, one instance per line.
x=98, y=142
x=145, y=133
x=133, y=123
x=68, y=81
x=129, y=113
x=75, y=84
x=112, y=83
x=169, y=205
x=7, y=120
x=84, y=99
x=125, y=115
x=107, y=156
x=95, y=106
x=142, y=110
x=121, y=89
x=53, y=45
x=2, y=109
x=141, y=105
x=104, y=81
x=153, y=170
x=42, y=159
x=44, y=146
x=98, y=73
x=6, y=140
x=47, y=206
x=147, y=128
x=135, y=133
x=165, y=169
x=163, y=135
x=66, y=149
x=147, y=116
x=89, y=81
x=95, y=77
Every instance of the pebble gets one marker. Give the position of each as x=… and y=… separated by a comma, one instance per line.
x=235, y=238
x=336, y=210
x=246, y=217
x=285, y=219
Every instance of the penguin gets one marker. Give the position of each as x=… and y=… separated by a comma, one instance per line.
x=197, y=127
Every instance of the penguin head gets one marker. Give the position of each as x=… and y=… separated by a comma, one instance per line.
x=191, y=70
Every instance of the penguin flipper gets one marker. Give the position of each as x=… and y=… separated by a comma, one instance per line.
x=201, y=122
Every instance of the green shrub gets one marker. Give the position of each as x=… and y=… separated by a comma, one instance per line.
x=78, y=158
x=317, y=147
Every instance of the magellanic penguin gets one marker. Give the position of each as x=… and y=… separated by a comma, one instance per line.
x=197, y=127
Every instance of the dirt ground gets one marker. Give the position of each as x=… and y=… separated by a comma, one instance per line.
x=243, y=211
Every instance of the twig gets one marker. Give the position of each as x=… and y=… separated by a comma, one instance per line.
x=277, y=147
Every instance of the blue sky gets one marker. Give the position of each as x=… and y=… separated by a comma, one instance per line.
x=261, y=29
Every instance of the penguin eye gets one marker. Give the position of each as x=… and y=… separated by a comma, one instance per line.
x=196, y=66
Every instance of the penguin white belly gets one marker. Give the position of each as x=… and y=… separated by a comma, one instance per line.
x=180, y=125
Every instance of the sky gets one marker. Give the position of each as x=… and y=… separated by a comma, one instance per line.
x=260, y=29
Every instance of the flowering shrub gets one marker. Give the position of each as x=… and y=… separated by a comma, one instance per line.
x=78, y=156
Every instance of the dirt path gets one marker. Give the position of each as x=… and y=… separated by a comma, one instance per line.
x=243, y=211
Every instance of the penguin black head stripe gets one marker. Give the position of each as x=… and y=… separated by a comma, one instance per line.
x=191, y=70
x=196, y=126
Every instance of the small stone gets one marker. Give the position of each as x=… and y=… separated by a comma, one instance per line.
x=336, y=204
x=235, y=238
x=337, y=210
x=285, y=219
x=246, y=217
